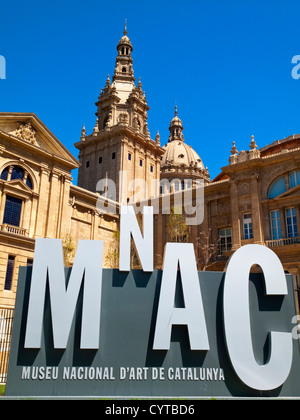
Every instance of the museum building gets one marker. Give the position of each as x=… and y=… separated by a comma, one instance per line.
x=254, y=199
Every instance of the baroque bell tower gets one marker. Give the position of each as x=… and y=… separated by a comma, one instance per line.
x=120, y=147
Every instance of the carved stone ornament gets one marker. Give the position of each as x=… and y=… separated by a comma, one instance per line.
x=26, y=132
x=123, y=118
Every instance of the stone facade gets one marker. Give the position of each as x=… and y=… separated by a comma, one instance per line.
x=37, y=198
x=254, y=199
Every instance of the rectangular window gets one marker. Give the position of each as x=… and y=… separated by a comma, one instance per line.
x=141, y=162
x=291, y=223
x=275, y=224
x=248, y=228
x=87, y=164
x=188, y=183
x=225, y=238
x=9, y=273
x=12, y=212
x=151, y=168
x=100, y=159
x=129, y=156
x=113, y=155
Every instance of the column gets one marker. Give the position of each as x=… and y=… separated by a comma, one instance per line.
x=298, y=219
x=256, y=212
x=235, y=216
x=283, y=223
x=2, y=206
x=26, y=214
x=52, y=214
x=66, y=210
x=42, y=209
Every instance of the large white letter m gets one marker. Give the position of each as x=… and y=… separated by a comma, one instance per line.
x=49, y=266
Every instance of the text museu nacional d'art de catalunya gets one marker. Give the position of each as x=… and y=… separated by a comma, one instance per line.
x=86, y=279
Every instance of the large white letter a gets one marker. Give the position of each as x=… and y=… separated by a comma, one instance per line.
x=192, y=314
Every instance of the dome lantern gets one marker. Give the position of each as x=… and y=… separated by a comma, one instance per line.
x=176, y=128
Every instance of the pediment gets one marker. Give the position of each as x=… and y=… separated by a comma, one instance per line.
x=29, y=129
x=19, y=184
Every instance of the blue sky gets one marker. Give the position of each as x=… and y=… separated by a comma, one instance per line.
x=226, y=64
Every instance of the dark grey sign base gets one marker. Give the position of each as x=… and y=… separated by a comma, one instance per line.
x=125, y=364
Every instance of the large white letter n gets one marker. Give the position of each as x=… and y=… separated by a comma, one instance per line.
x=48, y=264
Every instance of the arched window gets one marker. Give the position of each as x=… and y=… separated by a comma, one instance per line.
x=277, y=188
x=124, y=70
x=284, y=183
x=17, y=173
x=29, y=182
x=4, y=174
x=294, y=178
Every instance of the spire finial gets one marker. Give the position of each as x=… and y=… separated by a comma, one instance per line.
x=83, y=133
x=125, y=30
x=234, y=150
x=176, y=111
x=157, y=138
x=253, y=144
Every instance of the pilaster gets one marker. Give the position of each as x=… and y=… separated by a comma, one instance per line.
x=235, y=216
x=51, y=219
x=42, y=208
x=256, y=211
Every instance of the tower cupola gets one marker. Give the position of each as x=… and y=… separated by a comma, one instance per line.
x=176, y=128
x=124, y=63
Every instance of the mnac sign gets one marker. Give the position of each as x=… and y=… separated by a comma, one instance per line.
x=89, y=331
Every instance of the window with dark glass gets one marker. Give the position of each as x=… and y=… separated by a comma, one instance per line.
x=12, y=212
x=4, y=174
x=29, y=182
x=17, y=173
x=291, y=223
x=9, y=273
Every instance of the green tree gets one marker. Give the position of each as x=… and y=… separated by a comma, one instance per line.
x=68, y=250
x=176, y=228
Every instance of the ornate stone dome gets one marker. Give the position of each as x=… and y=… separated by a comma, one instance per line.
x=178, y=153
x=181, y=160
x=125, y=41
